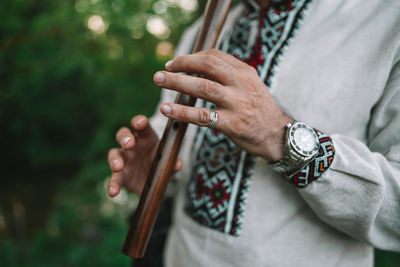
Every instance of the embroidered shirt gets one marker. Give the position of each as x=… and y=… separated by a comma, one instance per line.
x=344, y=62
x=222, y=172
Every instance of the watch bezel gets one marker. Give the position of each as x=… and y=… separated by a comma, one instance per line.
x=296, y=147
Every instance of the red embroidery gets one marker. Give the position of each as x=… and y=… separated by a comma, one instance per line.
x=317, y=166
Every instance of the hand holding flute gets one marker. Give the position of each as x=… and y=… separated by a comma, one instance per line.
x=233, y=101
x=130, y=164
x=248, y=116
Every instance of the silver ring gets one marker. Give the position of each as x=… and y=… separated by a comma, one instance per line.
x=213, y=118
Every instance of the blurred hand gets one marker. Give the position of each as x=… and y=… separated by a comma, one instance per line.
x=130, y=164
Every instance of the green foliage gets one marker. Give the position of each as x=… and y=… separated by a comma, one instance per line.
x=71, y=73
x=64, y=86
x=84, y=228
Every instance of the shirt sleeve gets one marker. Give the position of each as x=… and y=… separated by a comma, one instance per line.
x=360, y=192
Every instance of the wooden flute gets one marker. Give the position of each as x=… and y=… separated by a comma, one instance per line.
x=164, y=162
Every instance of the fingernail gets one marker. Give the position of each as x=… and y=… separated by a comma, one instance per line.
x=166, y=109
x=111, y=189
x=168, y=64
x=138, y=122
x=160, y=77
x=126, y=140
x=114, y=163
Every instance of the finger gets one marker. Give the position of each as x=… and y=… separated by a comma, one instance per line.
x=206, y=65
x=178, y=165
x=225, y=57
x=115, y=183
x=142, y=127
x=198, y=116
x=194, y=86
x=125, y=138
x=116, y=159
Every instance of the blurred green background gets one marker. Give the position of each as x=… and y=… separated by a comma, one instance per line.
x=71, y=73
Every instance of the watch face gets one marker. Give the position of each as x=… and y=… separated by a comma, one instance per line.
x=304, y=139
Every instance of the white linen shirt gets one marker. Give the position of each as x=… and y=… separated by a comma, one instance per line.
x=341, y=75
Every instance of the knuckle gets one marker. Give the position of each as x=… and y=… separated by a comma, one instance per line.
x=245, y=105
x=203, y=117
x=208, y=88
x=211, y=61
x=240, y=128
x=190, y=65
x=213, y=51
x=244, y=75
x=231, y=69
x=247, y=72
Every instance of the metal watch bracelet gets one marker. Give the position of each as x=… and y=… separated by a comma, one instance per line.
x=292, y=160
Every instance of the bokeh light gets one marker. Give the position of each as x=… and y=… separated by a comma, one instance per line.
x=160, y=7
x=156, y=26
x=96, y=24
x=188, y=5
x=165, y=49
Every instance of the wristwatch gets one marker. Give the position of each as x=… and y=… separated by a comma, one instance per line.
x=302, y=145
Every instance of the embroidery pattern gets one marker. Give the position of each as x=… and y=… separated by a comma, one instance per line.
x=277, y=28
x=221, y=172
x=219, y=185
x=317, y=166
